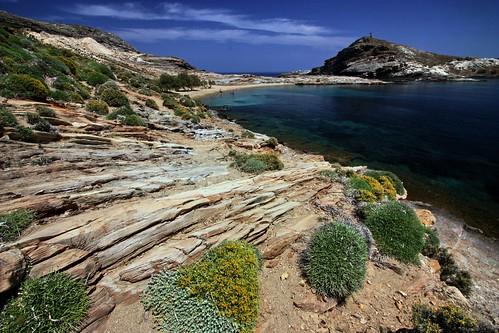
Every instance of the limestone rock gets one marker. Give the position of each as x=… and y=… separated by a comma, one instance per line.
x=426, y=217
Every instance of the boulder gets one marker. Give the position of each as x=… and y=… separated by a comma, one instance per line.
x=426, y=217
x=12, y=269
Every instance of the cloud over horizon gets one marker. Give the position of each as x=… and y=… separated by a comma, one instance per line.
x=242, y=28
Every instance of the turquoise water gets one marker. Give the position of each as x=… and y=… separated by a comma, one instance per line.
x=441, y=138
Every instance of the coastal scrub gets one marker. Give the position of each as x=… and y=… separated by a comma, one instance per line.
x=255, y=163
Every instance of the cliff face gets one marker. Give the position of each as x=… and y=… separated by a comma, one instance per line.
x=376, y=58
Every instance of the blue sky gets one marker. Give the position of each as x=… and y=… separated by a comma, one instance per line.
x=279, y=35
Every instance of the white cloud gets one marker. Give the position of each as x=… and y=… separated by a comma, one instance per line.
x=180, y=12
x=230, y=35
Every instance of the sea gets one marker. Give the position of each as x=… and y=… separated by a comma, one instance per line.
x=441, y=138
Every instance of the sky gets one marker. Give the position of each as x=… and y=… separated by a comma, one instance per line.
x=277, y=35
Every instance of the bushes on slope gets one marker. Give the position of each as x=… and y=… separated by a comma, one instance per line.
x=54, y=303
x=114, y=97
x=23, y=86
x=127, y=116
x=451, y=274
x=396, y=229
x=12, y=224
x=255, y=163
x=7, y=119
x=219, y=293
x=336, y=260
x=45, y=111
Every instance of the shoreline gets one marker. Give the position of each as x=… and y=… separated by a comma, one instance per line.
x=217, y=89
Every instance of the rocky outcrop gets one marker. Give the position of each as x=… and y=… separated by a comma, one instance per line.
x=12, y=269
x=375, y=58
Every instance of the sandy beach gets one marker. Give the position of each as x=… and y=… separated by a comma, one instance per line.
x=216, y=89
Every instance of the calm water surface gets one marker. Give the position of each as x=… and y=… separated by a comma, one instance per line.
x=441, y=138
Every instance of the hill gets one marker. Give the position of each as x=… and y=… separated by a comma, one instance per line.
x=375, y=58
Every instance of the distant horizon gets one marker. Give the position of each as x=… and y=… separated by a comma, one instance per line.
x=229, y=37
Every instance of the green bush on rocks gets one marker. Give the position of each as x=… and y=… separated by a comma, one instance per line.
x=23, y=86
x=97, y=106
x=448, y=318
x=255, y=163
x=451, y=274
x=54, y=303
x=377, y=174
x=45, y=111
x=396, y=229
x=7, y=119
x=151, y=103
x=127, y=116
x=12, y=224
x=114, y=97
x=335, y=262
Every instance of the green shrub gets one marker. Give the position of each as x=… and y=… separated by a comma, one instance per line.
x=23, y=86
x=367, y=189
x=396, y=229
x=255, y=163
x=247, y=135
x=330, y=175
x=187, y=101
x=114, y=97
x=45, y=111
x=127, y=116
x=97, y=106
x=169, y=101
x=448, y=318
x=7, y=119
x=54, y=303
x=95, y=78
x=25, y=133
x=108, y=84
x=32, y=118
x=431, y=243
x=177, y=311
x=227, y=275
x=12, y=224
x=336, y=260
x=451, y=274
x=43, y=125
x=271, y=142
x=151, y=103
x=398, y=184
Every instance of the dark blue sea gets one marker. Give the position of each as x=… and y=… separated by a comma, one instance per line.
x=442, y=139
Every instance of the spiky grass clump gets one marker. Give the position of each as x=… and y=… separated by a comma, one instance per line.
x=255, y=163
x=396, y=229
x=336, y=260
x=217, y=294
x=54, y=303
x=228, y=276
x=397, y=183
x=177, y=311
x=12, y=224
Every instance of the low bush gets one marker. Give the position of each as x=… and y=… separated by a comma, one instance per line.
x=227, y=275
x=377, y=174
x=54, y=303
x=45, y=111
x=448, y=318
x=396, y=229
x=25, y=134
x=366, y=189
x=97, y=106
x=169, y=101
x=127, y=116
x=328, y=174
x=114, y=97
x=151, y=103
x=247, y=135
x=431, y=243
x=271, y=142
x=108, y=84
x=12, y=224
x=177, y=311
x=43, y=125
x=187, y=101
x=255, y=163
x=7, y=119
x=336, y=260
x=451, y=274
x=32, y=118
x=23, y=86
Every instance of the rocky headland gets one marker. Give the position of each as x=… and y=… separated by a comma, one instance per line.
x=375, y=58
x=115, y=202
